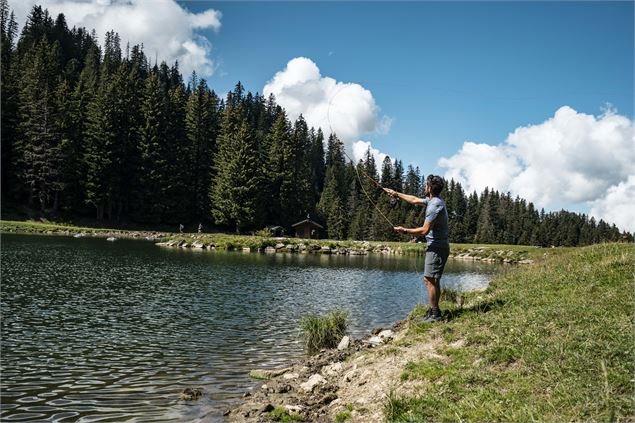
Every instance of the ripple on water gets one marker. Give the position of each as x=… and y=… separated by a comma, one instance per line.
x=94, y=331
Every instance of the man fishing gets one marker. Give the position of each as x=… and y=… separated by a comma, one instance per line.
x=435, y=229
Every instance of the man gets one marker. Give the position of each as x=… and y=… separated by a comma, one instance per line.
x=435, y=229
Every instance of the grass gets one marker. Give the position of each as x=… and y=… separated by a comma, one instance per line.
x=553, y=341
x=343, y=416
x=280, y=414
x=325, y=331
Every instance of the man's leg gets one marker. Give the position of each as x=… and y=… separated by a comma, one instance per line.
x=434, y=291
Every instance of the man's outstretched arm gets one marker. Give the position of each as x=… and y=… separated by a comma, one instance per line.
x=423, y=230
x=412, y=199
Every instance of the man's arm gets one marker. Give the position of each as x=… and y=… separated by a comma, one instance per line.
x=423, y=230
x=406, y=197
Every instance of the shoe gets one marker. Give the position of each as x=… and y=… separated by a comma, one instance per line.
x=434, y=316
x=425, y=318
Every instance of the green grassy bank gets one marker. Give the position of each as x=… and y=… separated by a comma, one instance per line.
x=553, y=341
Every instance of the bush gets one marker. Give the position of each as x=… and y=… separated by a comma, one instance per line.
x=323, y=331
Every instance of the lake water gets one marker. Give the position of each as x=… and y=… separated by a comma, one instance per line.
x=110, y=331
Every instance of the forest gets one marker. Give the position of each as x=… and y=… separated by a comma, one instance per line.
x=102, y=131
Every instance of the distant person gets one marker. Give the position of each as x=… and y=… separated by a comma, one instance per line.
x=200, y=228
x=181, y=228
x=435, y=229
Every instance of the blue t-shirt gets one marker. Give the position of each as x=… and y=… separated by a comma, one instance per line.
x=437, y=214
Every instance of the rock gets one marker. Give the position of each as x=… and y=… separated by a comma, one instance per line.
x=190, y=394
x=112, y=238
x=376, y=331
x=294, y=408
x=290, y=376
x=198, y=244
x=525, y=261
x=246, y=250
x=344, y=343
x=279, y=246
x=313, y=381
x=267, y=408
x=301, y=247
x=270, y=250
x=291, y=247
x=326, y=250
x=349, y=376
x=374, y=341
x=386, y=334
x=332, y=369
x=265, y=374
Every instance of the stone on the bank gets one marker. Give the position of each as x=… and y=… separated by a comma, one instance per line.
x=270, y=250
x=374, y=341
x=313, y=381
x=267, y=373
x=326, y=250
x=291, y=247
x=294, y=408
x=279, y=246
x=386, y=334
x=344, y=343
x=246, y=250
x=198, y=244
x=332, y=369
x=289, y=376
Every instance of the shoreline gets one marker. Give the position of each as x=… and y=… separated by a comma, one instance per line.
x=482, y=362
x=508, y=254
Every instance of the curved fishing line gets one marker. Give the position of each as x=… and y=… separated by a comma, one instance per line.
x=355, y=165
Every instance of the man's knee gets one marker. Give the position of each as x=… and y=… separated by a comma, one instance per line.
x=430, y=281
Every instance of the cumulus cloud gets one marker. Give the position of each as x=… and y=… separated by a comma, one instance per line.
x=571, y=158
x=164, y=28
x=347, y=108
x=618, y=206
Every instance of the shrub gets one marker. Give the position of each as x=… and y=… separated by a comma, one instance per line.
x=323, y=331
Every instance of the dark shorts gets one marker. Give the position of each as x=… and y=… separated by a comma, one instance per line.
x=436, y=257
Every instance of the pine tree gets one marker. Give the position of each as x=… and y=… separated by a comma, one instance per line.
x=235, y=194
x=9, y=97
x=38, y=145
x=201, y=121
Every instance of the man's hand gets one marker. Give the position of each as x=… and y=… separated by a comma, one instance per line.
x=400, y=229
x=391, y=192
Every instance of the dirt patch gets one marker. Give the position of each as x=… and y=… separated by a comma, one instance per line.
x=357, y=380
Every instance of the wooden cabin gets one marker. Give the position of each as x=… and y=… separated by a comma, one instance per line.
x=307, y=229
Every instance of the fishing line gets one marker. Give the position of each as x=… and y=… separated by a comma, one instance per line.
x=328, y=117
x=356, y=166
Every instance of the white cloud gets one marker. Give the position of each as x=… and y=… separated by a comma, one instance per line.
x=361, y=147
x=618, y=206
x=571, y=158
x=164, y=28
x=348, y=109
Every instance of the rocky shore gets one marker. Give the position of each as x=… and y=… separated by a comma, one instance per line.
x=349, y=383
x=352, y=248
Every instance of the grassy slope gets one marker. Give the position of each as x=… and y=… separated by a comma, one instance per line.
x=553, y=341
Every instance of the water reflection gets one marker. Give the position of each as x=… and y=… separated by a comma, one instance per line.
x=93, y=329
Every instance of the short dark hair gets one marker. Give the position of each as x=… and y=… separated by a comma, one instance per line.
x=435, y=183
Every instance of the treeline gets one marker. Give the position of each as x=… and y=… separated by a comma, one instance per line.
x=99, y=131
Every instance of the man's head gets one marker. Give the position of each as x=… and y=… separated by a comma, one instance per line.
x=434, y=185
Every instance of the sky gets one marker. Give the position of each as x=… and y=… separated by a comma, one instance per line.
x=531, y=98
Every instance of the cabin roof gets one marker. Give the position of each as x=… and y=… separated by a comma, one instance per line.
x=307, y=221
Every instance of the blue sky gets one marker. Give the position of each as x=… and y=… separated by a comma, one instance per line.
x=443, y=72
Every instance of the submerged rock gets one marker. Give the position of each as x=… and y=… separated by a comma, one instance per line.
x=191, y=394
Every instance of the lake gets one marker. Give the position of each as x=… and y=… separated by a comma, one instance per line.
x=109, y=331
